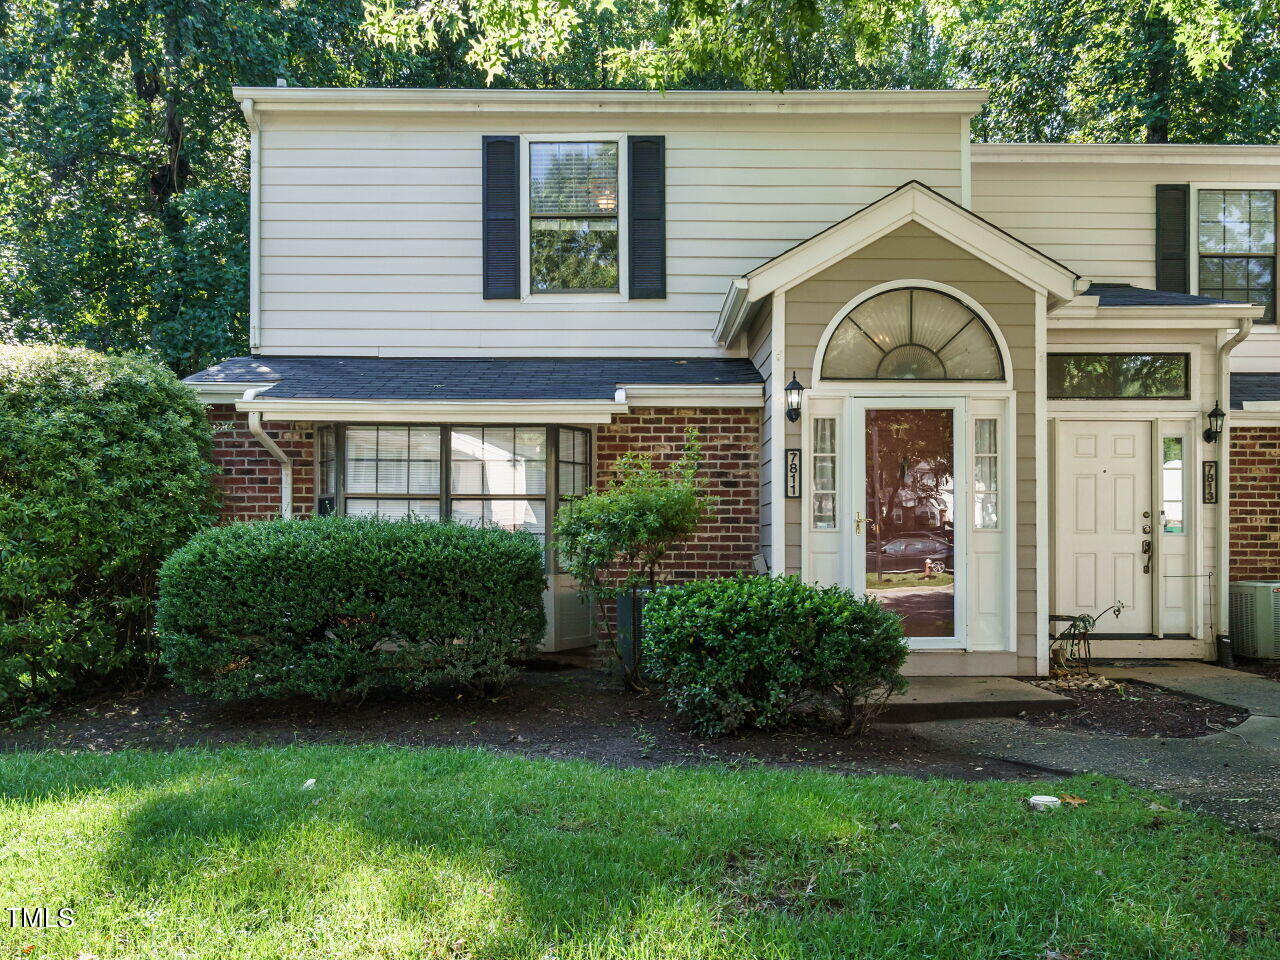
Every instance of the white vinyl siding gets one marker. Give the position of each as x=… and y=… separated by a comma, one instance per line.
x=371, y=225
x=1099, y=218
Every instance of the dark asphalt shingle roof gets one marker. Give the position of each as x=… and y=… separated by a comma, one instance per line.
x=1254, y=387
x=451, y=378
x=1125, y=295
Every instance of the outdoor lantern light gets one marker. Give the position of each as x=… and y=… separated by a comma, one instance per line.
x=1216, y=420
x=794, y=392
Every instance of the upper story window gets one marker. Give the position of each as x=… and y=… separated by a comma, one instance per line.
x=573, y=217
x=1237, y=246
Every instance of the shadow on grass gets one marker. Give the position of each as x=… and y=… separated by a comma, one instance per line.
x=509, y=857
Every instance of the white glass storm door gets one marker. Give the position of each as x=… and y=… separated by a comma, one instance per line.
x=910, y=475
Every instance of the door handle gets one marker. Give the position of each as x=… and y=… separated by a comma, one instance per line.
x=1146, y=551
x=859, y=521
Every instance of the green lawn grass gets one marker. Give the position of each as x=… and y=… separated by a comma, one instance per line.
x=442, y=853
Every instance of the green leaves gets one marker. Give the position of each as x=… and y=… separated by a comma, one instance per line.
x=744, y=651
x=104, y=469
x=336, y=607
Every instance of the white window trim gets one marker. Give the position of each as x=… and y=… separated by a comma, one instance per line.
x=1193, y=243
x=526, y=170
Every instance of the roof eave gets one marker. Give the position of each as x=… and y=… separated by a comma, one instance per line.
x=470, y=101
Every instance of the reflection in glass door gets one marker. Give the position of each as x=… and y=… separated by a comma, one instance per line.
x=910, y=517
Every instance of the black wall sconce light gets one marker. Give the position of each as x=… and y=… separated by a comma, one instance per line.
x=794, y=392
x=1216, y=421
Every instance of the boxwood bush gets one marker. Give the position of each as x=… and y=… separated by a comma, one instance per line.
x=104, y=470
x=335, y=607
x=744, y=651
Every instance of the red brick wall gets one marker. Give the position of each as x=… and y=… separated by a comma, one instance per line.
x=730, y=468
x=1255, y=503
x=249, y=483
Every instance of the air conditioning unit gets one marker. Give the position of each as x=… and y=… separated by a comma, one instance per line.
x=1255, y=618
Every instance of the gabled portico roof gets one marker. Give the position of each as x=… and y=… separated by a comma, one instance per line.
x=913, y=202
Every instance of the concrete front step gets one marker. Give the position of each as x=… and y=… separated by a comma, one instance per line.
x=955, y=698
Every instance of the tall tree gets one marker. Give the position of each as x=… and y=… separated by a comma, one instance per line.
x=123, y=159
x=1117, y=71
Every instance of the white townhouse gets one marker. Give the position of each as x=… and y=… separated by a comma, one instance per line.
x=989, y=383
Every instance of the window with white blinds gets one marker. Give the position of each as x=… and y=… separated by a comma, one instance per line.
x=573, y=217
x=488, y=475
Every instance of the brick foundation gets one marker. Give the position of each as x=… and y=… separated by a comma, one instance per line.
x=731, y=469
x=249, y=484
x=1255, y=503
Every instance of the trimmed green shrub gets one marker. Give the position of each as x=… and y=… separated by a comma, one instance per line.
x=104, y=469
x=745, y=651
x=613, y=541
x=335, y=607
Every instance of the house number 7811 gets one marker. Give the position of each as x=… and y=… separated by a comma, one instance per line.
x=793, y=474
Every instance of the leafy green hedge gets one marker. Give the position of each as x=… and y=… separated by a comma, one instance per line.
x=334, y=607
x=744, y=651
x=104, y=469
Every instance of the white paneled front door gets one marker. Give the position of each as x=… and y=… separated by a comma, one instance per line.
x=1104, y=522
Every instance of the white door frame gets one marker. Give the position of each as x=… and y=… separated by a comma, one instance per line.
x=960, y=512
x=1187, y=425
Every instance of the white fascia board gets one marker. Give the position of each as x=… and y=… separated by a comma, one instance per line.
x=1262, y=406
x=473, y=101
x=1153, y=318
x=415, y=411
x=913, y=203
x=1113, y=153
x=226, y=392
x=662, y=395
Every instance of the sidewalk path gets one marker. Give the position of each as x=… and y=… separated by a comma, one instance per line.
x=1234, y=774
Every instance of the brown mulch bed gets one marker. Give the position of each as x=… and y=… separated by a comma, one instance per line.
x=1134, y=710
x=564, y=712
x=1263, y=668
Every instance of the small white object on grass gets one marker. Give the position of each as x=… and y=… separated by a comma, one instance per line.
x=310, y=784
x=1043, y=802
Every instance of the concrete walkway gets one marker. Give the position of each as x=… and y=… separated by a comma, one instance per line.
x=1234, y=774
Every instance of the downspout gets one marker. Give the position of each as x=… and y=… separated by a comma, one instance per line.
x=273, y=448
x=1221, y=630
x=255, y=225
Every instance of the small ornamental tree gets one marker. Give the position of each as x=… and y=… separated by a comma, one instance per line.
x=105, y=469
x=614, y=541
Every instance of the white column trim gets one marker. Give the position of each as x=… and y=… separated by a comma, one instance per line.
x=1042, y=487
x=778, y=437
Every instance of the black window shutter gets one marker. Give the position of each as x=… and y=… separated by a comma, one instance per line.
x=1173, y=230
x=647, y=215
x=501, y=230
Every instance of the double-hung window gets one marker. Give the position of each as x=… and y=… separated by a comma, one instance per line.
x=1237, y=246
x=574, y=235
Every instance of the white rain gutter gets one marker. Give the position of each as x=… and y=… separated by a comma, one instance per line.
x=1221, y=629
x=273, y=448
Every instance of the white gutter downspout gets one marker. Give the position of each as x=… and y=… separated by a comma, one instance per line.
x=273, y=448
x=1224, y=490
x=255, y=225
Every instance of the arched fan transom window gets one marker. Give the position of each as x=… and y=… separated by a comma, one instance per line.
x=912, y=334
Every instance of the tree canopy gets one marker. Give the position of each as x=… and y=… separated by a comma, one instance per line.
x=123, y=158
